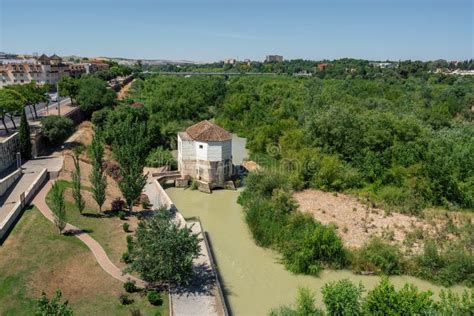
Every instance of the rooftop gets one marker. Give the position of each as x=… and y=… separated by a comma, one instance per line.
x=208, y=132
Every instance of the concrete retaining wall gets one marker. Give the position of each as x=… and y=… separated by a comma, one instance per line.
x=8, y=149
x=7, y=182
x=17, y=208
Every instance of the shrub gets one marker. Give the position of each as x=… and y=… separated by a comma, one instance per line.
x=117, y=204
x=455, y=265
x=305, y=306
x=125, y=300
x=377, y=256
x=125, y=227
x=154, y=298
x=126, y=257
x=343, y=297
x=130, y=286
x=161, y=157
x=135, y=312
x=453, y=304
x=385, y=300
x=99, y=118
x=144, y=201
x=57, y=128
x=122, y=215
x=112, y=169
x=194, y=185
x=309, y=245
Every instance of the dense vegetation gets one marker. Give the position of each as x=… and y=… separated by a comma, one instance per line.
x=402, y=137
x=331, y=69
x=345, y=298
x=379, y=134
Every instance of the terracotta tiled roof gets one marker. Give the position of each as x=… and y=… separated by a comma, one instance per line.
x=208, y=132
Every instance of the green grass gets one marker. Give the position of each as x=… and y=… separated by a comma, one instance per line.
x=35, y=257
x=106, y=229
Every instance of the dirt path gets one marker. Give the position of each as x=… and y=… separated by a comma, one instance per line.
x=92, y=244
x=123, y=92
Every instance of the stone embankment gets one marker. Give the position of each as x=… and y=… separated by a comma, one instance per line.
x=203, y=296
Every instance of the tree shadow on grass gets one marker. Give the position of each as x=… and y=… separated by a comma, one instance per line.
x=77, y=232
x=97, y=215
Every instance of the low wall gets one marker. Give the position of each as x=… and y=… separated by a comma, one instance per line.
x=19, y=205
x=7, y=182
x=166, y=201
x=8, y=149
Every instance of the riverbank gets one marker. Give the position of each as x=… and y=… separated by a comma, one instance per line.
x=253, y=278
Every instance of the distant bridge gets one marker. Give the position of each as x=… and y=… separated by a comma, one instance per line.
x=226, y=74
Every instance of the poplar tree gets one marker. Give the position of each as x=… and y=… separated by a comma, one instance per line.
x=24, y=137
x=97, y=177
x=76, y=180
x=58, y=207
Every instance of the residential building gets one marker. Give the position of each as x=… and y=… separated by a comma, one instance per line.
x=43, y=69
x=273, y=58
x=205, y=155
x=230, y=61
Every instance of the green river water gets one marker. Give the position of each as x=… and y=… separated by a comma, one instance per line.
x=254, y=280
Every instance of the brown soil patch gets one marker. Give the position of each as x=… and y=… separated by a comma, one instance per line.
x=356, y=221
x=78, y=277
x=125, y=89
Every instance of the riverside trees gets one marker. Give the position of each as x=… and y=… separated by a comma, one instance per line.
x=162, y=251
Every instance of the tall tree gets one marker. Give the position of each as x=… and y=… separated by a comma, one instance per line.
x=32, y=93
x=162, y=251
x=97, y=177
x=24, y=137
x=58, y=206
x=130, y=146
x=11, y=103
x=68, y=87
x=76, y=180
x=93, y=94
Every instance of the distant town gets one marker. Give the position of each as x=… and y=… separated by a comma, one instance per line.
x=43, y=69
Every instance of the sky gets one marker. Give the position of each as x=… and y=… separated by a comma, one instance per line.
x=212, y=30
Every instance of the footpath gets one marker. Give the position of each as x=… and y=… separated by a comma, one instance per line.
x=201, y=296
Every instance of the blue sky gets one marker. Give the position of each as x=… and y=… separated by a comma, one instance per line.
x=214, y=30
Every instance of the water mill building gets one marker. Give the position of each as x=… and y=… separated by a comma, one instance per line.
x=205, y=155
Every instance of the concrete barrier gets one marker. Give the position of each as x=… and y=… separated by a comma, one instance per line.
x=7, y=182
x=19, y=205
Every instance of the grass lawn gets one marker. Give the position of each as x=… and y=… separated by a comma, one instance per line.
x=103, y=227
x=35, y=258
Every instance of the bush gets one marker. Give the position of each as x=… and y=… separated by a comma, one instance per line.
x=135, y=312
x=453, y=304
x=130, y=286
x=117, y=204
x=385, y=300
x=122, y=215
x=194, y=185
x=377, y=256
x=455, y=265
x=343, y=297
x=125, y=300
x=144, y=201
x=154, y=298
x=161, y=157
x=113, y=170
x=310, y=245
x=99, y=118
x=125, y=227
x=126, y=257
x=57, y=128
